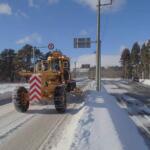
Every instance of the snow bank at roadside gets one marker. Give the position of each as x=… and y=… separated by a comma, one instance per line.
x=100, y=124
x=145, y=81
x=10, y=87
x=113, y=79
x=70, y=131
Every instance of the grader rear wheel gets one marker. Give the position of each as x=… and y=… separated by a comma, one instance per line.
x=21, y=99
x=60, y=99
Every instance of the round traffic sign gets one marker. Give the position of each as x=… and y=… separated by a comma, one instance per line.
x=50, y=46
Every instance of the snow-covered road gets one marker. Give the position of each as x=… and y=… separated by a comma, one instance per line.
x=28, y=131
x=97, y=123
x=134, y=98
x=100, y=125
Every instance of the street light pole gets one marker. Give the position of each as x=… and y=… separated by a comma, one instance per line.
x=98, y=51
x=75, y=65
x=34, y=59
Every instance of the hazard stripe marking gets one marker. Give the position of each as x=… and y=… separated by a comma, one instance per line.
x=35, y=88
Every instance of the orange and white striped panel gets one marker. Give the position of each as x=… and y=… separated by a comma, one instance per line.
x=35, y=88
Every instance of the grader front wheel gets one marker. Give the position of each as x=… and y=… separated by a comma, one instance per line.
x=21, y=99
x=60, y=99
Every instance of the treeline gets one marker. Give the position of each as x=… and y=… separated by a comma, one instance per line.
x=12, y=61
x=108, y=72
x=136, y=61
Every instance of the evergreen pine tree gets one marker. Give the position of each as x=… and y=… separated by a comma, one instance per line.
x=125, y=62
x=135, y=58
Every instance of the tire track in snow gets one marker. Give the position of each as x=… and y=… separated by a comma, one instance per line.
x=13, y=126
x=6, y=109
x=12, y=120
x=16, y=126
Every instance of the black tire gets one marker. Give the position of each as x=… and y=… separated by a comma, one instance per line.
x=71, y=86
x=21, y=104
x=60, y=99
x=66, y=75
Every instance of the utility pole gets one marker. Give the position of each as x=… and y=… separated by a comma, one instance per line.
x=34, y=58
x=75, y=71
x=98, y=51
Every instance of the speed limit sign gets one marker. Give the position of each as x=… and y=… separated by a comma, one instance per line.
x=50, y=46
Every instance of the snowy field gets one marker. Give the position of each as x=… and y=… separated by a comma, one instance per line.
x=143, y=81
x=146, y=81
x=114, y=79
x=10, y=87
x=100, y=125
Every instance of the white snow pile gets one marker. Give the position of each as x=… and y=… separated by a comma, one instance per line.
x=111, y=79
x=10, y=87
x=100, y=125
x=146, y=81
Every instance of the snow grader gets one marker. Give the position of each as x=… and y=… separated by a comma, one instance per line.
x=51, y=80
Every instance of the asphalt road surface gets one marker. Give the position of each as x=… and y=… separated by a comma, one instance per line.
x=133, y=97
x=134, y=89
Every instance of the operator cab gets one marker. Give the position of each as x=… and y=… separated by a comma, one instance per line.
x=55, y=62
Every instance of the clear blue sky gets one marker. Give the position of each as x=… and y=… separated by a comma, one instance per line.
x=59, y=21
